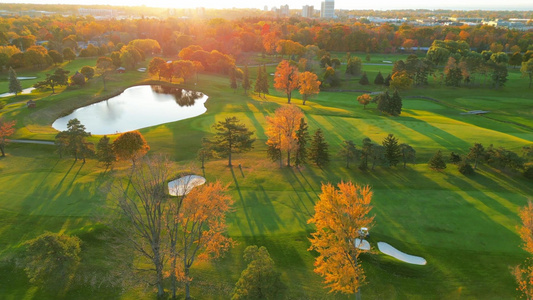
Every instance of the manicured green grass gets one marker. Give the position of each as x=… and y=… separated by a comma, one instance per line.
x=465, y=227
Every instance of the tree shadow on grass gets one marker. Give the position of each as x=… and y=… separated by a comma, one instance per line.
x=443, y=138
x=244, y=209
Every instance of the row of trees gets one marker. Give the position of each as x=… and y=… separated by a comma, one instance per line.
x=130, y=145
x=497, y=157
x=271, y=35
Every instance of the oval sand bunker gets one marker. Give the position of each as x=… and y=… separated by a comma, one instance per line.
x=390, y=250
x=182, y=186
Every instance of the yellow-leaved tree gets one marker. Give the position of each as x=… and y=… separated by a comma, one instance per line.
x=339, y=215
x=309, y=85
x=524, y=273
x=282, y=130
x=286, y=78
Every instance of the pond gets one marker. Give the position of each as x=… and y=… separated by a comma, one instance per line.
x=137, y=107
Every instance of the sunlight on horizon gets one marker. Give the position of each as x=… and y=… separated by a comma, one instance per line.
x=297, y=4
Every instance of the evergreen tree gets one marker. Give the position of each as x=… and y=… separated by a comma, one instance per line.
x=348, y=152
x=258, y=81
x=379, y=80
x=246, y=80
x=437, y=162
x=233, y=79
x=383, y=101
x=14, y=83
x=264, y=81
x=392, y=149
x=318, y=153
x=104, y=151
x=231, y=137
x=455, y=158
x=364, y=79
x=395, y=104
x=302, y=137
x=387, y=80
x=259, y=280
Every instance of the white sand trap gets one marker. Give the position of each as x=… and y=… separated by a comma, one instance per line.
x=24, y=91
x=411, y=259
x=387, y=61
x=182, y=186
x=362, y=245
x=25, y=78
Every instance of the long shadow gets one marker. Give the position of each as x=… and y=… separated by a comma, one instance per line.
x=242, y=202
x=58, y=186
x=443, y=138
x=76, y=175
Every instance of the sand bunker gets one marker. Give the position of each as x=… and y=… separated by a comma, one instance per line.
x=182, y=186
x=390, y=250
x=25, y=78
x=24, y=91
x=364, y=245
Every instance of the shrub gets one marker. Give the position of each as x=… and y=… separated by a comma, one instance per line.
x=455, y=158
x=528, y=172
x=465, y=168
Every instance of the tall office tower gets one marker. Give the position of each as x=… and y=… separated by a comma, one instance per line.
x=284, y=10
x=308, y=11
x=328, y=9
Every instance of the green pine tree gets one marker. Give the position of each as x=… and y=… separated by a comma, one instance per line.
x=383, y=101
x=395, y=104
x=302, y=136
x=379, y=80
x=437, y=162
x=392, y=149
x=264, y=81
x=14, y=83
x=258, y=81
x=318, y=152
x=364, y=79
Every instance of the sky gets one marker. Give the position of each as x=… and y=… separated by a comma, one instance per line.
x=297, y=4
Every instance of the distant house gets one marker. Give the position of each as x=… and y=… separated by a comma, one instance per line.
x=121, y=70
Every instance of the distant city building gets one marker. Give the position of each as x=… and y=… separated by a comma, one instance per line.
x=266, y=8
x=95, y=12
x=308, y=11
x=327, y=9
x=284, y=10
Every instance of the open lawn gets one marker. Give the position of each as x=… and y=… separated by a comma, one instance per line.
x=465, y=227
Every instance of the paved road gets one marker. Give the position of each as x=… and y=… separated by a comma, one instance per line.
x=32, y=142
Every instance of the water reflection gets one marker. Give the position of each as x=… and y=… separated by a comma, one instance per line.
x=182, y=97
x=137, y=107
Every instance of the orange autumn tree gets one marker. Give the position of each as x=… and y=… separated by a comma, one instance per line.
x=130, y=145
x=339, y=214
x=286, y=78
x=7, y=128
x=364, y=99
x=309, y=85
x=282, y=128
x=200, y=223
x=524, y=273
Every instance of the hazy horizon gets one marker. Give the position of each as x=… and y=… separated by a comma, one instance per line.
x=297, y=4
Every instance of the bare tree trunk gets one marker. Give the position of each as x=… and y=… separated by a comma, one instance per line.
x=187, y=284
